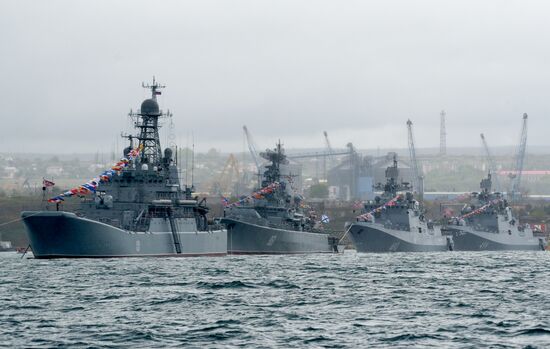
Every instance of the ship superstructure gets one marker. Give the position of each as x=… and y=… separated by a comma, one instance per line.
x=272, y=220
x=395, y=221
x=137, y=208
x=487, y=223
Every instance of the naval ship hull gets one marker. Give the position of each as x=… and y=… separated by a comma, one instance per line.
x=248, y=238
x=466, y=239
x=369, y=237
x=60, y=234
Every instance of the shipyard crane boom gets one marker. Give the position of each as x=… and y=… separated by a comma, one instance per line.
x=228, y=176
x=327, y=142
x=317, y=154
x=491, y=161
x=329, y=159
x=253, y=151
x=520, y=158
x=418, y=180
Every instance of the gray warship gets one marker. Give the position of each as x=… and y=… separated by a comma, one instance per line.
x=394, y=222
x=139, y=209
x=487, y=224
x=271, y=221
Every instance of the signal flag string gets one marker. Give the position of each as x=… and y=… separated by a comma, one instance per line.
x=91, y=186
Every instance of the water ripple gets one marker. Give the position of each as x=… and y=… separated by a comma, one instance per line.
x=451, y=300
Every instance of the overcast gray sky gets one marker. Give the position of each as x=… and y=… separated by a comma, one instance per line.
x=71, y=70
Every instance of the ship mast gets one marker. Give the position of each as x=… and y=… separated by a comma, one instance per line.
x=276, y=157
x=392, y=186
x=147, y=121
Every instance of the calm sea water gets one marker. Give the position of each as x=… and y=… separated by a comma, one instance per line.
x=337, y=301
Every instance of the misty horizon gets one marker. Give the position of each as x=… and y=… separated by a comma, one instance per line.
x=287, y=70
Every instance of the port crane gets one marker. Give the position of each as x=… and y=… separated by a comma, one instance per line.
x=492, y=164
x=327, y=159
x=418, y=180
x=515, y=191
x=253, y=152
x=228, y=181
x=326, y=154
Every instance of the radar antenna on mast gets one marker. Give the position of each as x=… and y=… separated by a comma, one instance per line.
x=146, y=120
x=154, y=87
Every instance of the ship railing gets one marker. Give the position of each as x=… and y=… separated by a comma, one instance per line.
x=215, y=226
x=110, y=221
x=142, y=224
x=170, y=195
x=257, y=221
x=486, y=229
x=184, y=215
x=283, y=225
x=176, y=213
x=396, y=226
